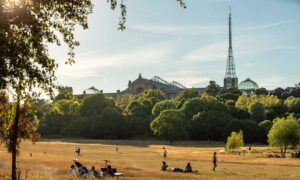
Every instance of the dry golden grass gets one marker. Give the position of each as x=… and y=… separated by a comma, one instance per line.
x=142, y=160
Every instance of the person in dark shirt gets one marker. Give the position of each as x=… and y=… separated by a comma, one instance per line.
x=188, y=168
x=215, y=160
x=164, y=166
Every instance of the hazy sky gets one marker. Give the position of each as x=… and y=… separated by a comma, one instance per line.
x=186, y=45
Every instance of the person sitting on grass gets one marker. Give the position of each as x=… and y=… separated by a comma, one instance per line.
x=188, y=168
x=109, y=170
x=72, y=170
x=164, y=166
x=93, y=173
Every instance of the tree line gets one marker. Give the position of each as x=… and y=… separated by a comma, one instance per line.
x=210, y=115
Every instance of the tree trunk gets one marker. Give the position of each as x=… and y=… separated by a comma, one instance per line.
x=14, y=141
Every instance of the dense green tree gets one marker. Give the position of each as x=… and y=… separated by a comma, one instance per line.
x=200, y=104
x=185, y=95
x=249, y=128
x=138, y=114
x=209, y=125
x=212, y=89
x=229, y=94
x=169, y=125
x=261, y=91
x=284, y=133
x=109, y=125
x=94, y=104
x=154, y=95
x=264, y=128
x=236, y=112
x=163, y=105
x=293, y=104
x=278, y=92
x=257, y=112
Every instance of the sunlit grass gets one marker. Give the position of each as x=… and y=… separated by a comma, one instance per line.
x=142, y=160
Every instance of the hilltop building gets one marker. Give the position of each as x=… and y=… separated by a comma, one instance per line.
x=248, y=86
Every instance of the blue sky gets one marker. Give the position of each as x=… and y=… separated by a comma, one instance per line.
x=186, y=45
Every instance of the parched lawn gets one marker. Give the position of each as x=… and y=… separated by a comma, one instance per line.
x=142, y=160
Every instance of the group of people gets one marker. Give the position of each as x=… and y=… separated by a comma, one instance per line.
x=78, y=169
x=188, y=168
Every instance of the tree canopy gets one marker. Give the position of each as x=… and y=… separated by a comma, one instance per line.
x=285, y=133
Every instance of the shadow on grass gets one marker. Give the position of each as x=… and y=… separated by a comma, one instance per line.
x=140, y=143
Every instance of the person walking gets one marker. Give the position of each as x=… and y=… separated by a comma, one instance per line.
x=215, y=160
x=165, y=153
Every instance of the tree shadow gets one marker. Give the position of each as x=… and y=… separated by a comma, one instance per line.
x=140, y=143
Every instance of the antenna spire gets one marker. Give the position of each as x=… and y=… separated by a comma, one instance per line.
x=230, y=80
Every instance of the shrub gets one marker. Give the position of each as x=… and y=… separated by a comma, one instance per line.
x=235, y=141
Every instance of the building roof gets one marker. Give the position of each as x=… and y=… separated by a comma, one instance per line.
x=248, y=84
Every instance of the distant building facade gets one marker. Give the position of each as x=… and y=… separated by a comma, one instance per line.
x=171, y=90
x=248, y=86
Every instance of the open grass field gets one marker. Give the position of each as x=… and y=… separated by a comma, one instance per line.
x=142, y=160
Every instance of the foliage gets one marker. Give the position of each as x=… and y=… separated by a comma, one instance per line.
x=229, y=94
x=293, y=104
x=27, y=122
x=284, y=133
x=261, y=91
x=209, y=125
x=94, y=104
x=138, y=115
x=264, y=128
x=235, y=140
x=163, y=105
x=249, y=128
x=278, y=92
x=212, y=89
x=199, y=104
x=185, y=95
x=169, y=125
x=257, y=111
x=123, y=100
x=154, y=96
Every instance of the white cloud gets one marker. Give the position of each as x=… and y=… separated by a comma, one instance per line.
x=212, y=52
x=179, y=29
x=89, y=66
x=202, y=29
x=218, y=51
x=264, y=26
x=188, y=78
x=273, y=81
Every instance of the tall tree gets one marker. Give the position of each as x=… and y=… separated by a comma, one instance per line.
x=212, y=89
x=27, y=27
x=170, y=125
x=284, y=133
